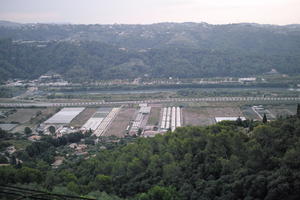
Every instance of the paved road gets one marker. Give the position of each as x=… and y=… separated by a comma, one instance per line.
x=207, y=99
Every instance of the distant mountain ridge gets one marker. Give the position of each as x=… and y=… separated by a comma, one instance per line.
x=164, y=49
x=149, y=36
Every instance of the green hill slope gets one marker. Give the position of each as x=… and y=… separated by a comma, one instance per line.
x=223, y=161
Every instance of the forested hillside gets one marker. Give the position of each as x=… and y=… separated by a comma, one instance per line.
x=230, y=160
x=181, y=50
x=78, y=61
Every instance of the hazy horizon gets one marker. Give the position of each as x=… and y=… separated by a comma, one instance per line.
x=277, y=12
x=162, y=22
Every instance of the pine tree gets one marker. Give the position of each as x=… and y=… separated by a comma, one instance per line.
x=265, y=120
x=239, y=121
x=27, y=130
x=251, y=127
x=298, y=110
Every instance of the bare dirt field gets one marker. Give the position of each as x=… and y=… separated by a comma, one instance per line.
x=197, y=116
x=85, y=115
x=120, y=123
x=154, y=116
x=224, y=112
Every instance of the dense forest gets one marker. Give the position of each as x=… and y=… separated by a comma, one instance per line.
x=229, y=160
x=184, y=50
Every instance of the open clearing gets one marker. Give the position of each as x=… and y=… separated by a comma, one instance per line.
x=120, y=123
x=85, y=115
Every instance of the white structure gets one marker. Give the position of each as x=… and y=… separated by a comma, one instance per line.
x=171, y=118
x=249, y=79
x=137, y=124
x=65, y=116
x=178, y=117
x=168, y=118
x=219, y=119
x=106, y=122
x=143, y=104
x=163, y=121
x=92, y=124
x=145, y=110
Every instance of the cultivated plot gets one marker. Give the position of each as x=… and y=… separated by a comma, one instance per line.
x=94, y=121
x=283, y=110
x=154, y=116
x=201, y=116
x=105, y=123
x=224, y=112
x=119, y=126
x=83, y=117
x=22, y=115
x=196, y=116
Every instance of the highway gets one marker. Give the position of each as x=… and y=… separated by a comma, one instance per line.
x=206, y=99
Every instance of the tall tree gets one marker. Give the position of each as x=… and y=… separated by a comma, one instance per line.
x=298, y=110
x=52, y=129
x=239, y=121
x=27, y=130
x=265, y=120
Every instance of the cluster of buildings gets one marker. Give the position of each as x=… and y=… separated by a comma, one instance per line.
x=61, y=122
x=140, y=119
x=97, y=124
x=49, y=79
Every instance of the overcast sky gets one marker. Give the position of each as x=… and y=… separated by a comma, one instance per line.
x=151, y=11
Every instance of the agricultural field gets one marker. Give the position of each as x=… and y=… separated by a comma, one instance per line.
x=29, y=117
x=154, y=116
x=22, y=115
x=83, y=117
x=120, y=123
x=201, y=115
x=196, y=116
x=224, y=112
x=249, y=113
x=282, y=110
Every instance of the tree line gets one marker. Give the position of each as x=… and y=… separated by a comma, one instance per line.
x=229, y=160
